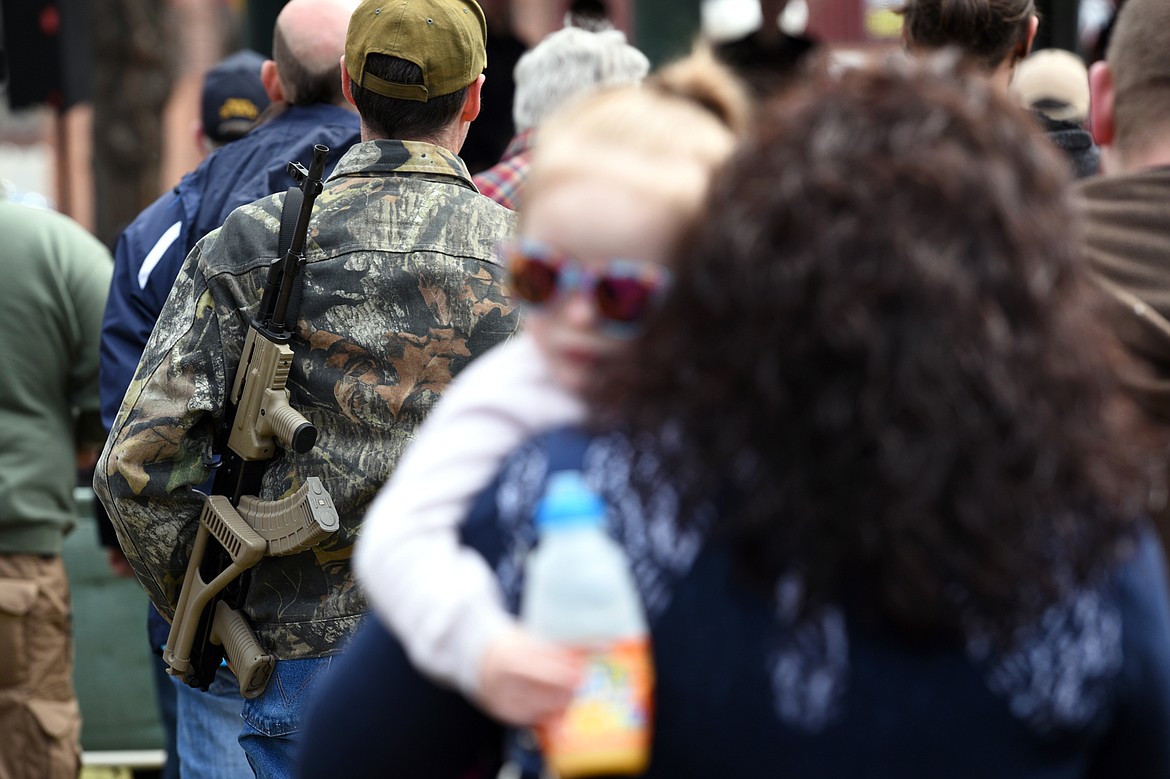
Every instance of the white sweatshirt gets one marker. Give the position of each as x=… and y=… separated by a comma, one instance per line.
x=439, y=597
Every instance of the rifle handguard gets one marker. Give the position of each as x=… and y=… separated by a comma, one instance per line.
x=263, y=412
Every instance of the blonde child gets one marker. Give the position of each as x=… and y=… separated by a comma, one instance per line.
x=614, y=178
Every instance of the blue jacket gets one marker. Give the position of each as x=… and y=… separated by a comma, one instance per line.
x=152, y=248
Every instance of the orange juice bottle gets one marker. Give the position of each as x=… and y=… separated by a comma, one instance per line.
x=579, y=591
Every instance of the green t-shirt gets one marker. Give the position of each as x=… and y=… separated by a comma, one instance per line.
x=54, y=277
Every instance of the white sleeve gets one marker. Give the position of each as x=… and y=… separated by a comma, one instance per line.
x=439, y=597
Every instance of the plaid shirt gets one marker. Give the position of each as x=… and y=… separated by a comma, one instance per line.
x=504, y=181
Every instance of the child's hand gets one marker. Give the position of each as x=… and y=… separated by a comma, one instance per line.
x=524, y=679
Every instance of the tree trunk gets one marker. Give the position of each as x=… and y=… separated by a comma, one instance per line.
x=132, y=78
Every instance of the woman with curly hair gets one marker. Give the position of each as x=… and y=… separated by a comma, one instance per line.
x=865, y=462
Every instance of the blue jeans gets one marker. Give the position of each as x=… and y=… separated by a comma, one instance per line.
x=166, y=696
x=208, y=729
x=272, y=720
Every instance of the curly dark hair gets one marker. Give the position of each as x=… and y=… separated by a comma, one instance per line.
x=882, y=350
x=988, y=31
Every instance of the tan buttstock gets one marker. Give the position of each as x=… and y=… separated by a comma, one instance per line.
x=256, y=530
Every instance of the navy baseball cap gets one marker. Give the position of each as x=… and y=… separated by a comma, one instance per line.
x=233, y=96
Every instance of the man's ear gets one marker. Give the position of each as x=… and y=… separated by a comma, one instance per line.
x=1101, y=103
x=1024, y=48
x=472, y=104
x=345, y=84
x=1033, y=26
x=270, y=80
x=202, y=142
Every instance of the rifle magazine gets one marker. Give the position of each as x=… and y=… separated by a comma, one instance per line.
x=293, y=524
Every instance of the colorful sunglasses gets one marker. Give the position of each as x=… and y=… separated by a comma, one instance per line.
x=625, y=292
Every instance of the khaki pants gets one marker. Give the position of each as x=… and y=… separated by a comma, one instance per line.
x=40, y=723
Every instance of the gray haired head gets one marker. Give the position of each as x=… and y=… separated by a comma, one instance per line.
x=567, y=63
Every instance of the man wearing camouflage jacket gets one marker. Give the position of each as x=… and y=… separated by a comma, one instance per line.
x=401, y=290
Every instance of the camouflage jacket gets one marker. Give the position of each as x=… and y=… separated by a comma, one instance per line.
x=402, y=290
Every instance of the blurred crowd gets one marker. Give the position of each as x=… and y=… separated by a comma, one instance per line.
x=862, y=357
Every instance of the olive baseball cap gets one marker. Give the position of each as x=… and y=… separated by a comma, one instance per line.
x=446, y=38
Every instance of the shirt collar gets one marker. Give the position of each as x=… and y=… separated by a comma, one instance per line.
x=387, y=158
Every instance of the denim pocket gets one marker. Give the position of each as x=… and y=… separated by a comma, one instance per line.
x=17, y=597
x=278, y=711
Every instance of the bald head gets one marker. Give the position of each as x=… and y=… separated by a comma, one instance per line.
x=1141, y=72
x=307, y=45
x=1130, y=90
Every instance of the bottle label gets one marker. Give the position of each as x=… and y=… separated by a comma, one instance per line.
x=606, y=729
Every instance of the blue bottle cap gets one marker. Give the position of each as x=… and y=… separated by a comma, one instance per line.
x=568, y=501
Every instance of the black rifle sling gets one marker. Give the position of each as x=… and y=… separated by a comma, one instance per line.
x=288, y=219
x=288, y=224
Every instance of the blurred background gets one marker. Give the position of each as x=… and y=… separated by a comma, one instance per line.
x=101, y=94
